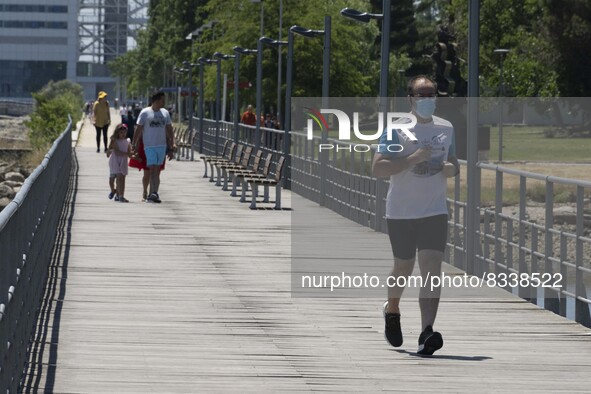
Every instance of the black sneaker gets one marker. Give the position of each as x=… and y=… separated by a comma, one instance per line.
x=429, y=342
x=392, y=330
x=153, y=197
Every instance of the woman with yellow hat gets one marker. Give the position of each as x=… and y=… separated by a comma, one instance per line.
x=101, y=119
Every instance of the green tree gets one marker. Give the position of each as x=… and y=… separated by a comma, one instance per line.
x=530, y=66
x=569, y=26
x=53, y=103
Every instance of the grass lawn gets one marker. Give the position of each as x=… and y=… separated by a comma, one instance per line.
x=530, y=144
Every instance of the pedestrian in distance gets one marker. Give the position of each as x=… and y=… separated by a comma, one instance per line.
x=416, y=208
x=101, y=119
x=249, y=117
x=154, y=129
x=118, y=153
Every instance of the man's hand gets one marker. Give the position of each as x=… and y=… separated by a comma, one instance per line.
x=420, y=155
x=170, y=152
x=449, y=170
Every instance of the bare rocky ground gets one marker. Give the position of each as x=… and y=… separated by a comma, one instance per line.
x=15, y=162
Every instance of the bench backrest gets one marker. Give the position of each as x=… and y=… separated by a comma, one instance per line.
x=267, y=165
x=257, y=160
x=279, y=168
x=246, y=156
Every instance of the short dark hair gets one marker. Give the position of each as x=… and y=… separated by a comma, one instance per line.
x=156, y=96
x=410, y=89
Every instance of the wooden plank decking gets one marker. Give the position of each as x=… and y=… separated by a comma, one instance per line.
x=177, y=298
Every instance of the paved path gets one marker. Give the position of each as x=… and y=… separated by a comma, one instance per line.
x=178, y=297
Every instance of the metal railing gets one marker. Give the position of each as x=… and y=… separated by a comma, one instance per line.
x=509, y=243
x=27, y=232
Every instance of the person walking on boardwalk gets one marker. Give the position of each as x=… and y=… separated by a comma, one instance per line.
x=416, y=209
x=101, y=119
x=118, y=153
x=154, y=129
x=249, y=117
x=139, y=162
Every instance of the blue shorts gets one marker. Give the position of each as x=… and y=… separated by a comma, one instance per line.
x=155, y=155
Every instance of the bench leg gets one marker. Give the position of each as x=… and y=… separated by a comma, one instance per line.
x=244, y=187
x=278, y=196
x=225, y=175
x=253, y=203
x=219, y=177
x=205, y=166
x=266, y=195
x=212, y=173
x=234, y=186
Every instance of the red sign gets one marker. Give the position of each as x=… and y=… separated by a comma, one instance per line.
x=241, y=85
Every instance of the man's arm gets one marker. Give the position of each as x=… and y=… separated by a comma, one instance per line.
x=451, y=167
x=384, y=166
x=137, y=135
x=170, y=137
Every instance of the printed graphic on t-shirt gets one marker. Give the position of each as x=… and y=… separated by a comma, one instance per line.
x=157, y=120
x=435, y=164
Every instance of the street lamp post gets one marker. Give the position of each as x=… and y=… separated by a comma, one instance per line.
x=385, y=16
x=278, y=44
x=220, y=57
x=302, y=31
x=501, y=53
x=189, y=66
x=325, y=91
x=202, y=62
x=239, y=52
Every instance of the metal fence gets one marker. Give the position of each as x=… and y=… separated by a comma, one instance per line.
x=512, y=242
x=27, y=233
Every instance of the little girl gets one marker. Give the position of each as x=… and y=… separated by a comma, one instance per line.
x=118, y=153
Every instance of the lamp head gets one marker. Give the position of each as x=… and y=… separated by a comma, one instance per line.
x=364, y=17
x=302, y=31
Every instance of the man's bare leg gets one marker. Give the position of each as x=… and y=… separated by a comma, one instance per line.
x=430, y=265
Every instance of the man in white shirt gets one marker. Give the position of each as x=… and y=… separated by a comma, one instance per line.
x=154, y=126
x=416, y=209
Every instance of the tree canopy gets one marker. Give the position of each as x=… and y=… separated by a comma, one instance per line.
x=548, y=42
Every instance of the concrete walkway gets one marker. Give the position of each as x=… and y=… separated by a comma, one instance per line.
x=193, y=296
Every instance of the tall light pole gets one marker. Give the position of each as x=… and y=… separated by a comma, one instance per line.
x=385, y=16
x=189, y=66
x=502, y=53
x=279, y=68
x=220, y=57
x=302, y=31
x=325, y=90
x=239, y=52
x=278, y=44
x=202, y=62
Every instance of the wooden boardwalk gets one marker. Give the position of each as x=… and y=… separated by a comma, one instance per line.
x=176, y=297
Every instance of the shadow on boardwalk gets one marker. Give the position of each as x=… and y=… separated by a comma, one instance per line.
x=193, y=295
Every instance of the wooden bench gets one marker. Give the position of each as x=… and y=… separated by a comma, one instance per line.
x=227, y=152
x=241, y=164
x=275, y=180
x=236, y=173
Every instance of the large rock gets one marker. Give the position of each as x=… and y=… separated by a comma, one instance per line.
x=565, y=215
x=6, y=191
x=4, y=201
x=14, y=176
x=12, y=184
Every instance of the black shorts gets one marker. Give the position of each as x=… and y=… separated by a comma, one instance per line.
x=408, y=235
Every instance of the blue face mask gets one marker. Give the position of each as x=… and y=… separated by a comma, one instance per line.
x=425, y=107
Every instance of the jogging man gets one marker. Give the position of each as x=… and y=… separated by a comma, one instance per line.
x=154, y=126
x=416, y=209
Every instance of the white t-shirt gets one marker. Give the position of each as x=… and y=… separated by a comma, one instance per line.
x=154, y=123
x=420, y=190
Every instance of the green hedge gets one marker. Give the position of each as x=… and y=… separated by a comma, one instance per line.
x=53, y=103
